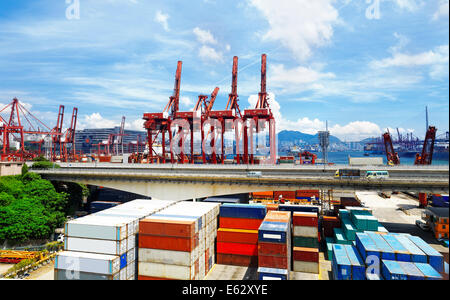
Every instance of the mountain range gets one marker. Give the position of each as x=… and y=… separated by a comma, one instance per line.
x=292, y=136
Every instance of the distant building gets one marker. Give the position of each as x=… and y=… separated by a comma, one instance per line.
x=85, y=139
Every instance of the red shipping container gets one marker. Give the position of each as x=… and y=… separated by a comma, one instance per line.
x=308, y=193
x=278, y=216
x=276, y=262
x=284, y=194
x=237, y=260
x=272, y=249
x=242, y=236
x=236, y=248
x=238, y=223
x=306, y=254
x=167, y=243
x=167, y=227
x=328, y=225
x=305, y=219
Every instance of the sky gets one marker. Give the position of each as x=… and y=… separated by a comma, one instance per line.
x=363, y=66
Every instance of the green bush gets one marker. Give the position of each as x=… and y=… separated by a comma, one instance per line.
x=24, y=169
x=30, y=208
x=45, y=165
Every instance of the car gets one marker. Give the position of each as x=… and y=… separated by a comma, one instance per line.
x=254, y=174
x=422, y=225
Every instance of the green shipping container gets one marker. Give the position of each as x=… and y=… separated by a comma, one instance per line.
x=305, y=242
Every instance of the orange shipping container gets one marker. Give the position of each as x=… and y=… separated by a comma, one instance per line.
x=278, y=216
x=168, y=243
x=262, y=195
x=238, y=223
x=242, y=236
x=271, y=207
x=167, y=227
x=284, y=194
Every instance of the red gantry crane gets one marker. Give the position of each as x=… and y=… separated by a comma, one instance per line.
x=21, y=124
x=426, y=158
x=156, y=123
x=201, y=112
x=69, y=139
x=391, y=155
x=263, y=112
x=232, y=112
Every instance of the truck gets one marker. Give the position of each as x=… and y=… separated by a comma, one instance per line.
x=348, y=173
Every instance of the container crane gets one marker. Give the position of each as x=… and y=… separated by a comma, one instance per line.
x=263, y=112
x=13, y=127
x=426, y=158
x=69, y=138
x=232, y=112
x=391, y=155
x=201, y=112
x=56, y=137
x=156, y=123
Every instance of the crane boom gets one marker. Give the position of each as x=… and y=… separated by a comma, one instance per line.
x=391, y=155
x=233, y=97
x=174, y=101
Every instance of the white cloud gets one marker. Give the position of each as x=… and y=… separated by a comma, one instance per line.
x=95, y=120
x=204, y=36
x=210, y=54
x=137, y=124
x=299, y=25
x=437, y=59
x=442, y=11
x=280, y=76
x=353, y=131
x=186, y=101
x=162, y=19
x=410, y=5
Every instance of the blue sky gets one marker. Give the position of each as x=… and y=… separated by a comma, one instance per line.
x=327, y=60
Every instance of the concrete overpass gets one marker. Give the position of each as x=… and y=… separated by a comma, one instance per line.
x=182, y=182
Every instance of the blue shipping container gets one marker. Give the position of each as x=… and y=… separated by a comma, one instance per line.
x=391, y=270
x=435, y=259
x=272, y=274
x=243, y=211
x=273, y=232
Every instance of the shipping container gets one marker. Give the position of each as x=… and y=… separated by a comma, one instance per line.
x=306, y=231
x=274, y=232
x=88, y=262
x=70, y=275
x=245, y=211
x=240, y=223
x=391, y=270
x=305, y=219
x=101, y=228
x=168, y=243
x=167, y=271
x=95, y=246
x=237, y=236
x=173, y=228
x=435, y=259
x=237, y=248
x=237, y=260
x=306, y=254
x=273, y=274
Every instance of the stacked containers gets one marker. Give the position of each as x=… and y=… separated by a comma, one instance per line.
x=188, y=265
x=111, y=232
x=306, y=258
x=237, y=237
x=168, y=249
x=274, y=245
x=347, y=263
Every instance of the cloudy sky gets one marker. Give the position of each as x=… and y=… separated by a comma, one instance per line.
x=363, y=66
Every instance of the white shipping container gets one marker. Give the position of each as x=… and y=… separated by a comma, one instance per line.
x=306, y=267
x=95, y=246
x=131, y=242
x=131, y=274
x=99, y=227
x=87, y=262
x=123, y=274
x=168, y=257
x=131, y=256
x=306, y=231
x=166, y=271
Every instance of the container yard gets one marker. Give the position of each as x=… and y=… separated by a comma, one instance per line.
x=183, y=240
